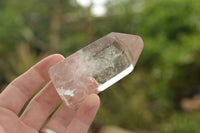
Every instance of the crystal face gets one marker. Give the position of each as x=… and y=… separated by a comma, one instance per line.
x=91, y=69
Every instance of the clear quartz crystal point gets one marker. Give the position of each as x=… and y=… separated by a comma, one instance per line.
x=95, y=67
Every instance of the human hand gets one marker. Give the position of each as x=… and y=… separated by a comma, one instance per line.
x=64, y=120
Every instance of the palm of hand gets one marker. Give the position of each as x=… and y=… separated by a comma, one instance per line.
x=64, y=120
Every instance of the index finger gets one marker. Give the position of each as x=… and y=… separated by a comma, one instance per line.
x=22, y=88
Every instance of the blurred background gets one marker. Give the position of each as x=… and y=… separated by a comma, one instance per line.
x=162, y=95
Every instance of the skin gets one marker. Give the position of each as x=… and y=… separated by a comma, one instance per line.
x=19, y=91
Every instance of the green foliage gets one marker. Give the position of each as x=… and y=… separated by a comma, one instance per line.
x=186, y=124
x=167, y=71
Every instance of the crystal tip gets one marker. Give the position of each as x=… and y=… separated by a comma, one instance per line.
x=133, y=42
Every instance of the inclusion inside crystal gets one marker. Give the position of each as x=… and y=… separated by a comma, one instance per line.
x=108, y=65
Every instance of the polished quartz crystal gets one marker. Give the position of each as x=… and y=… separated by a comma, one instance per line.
x=95, y=67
